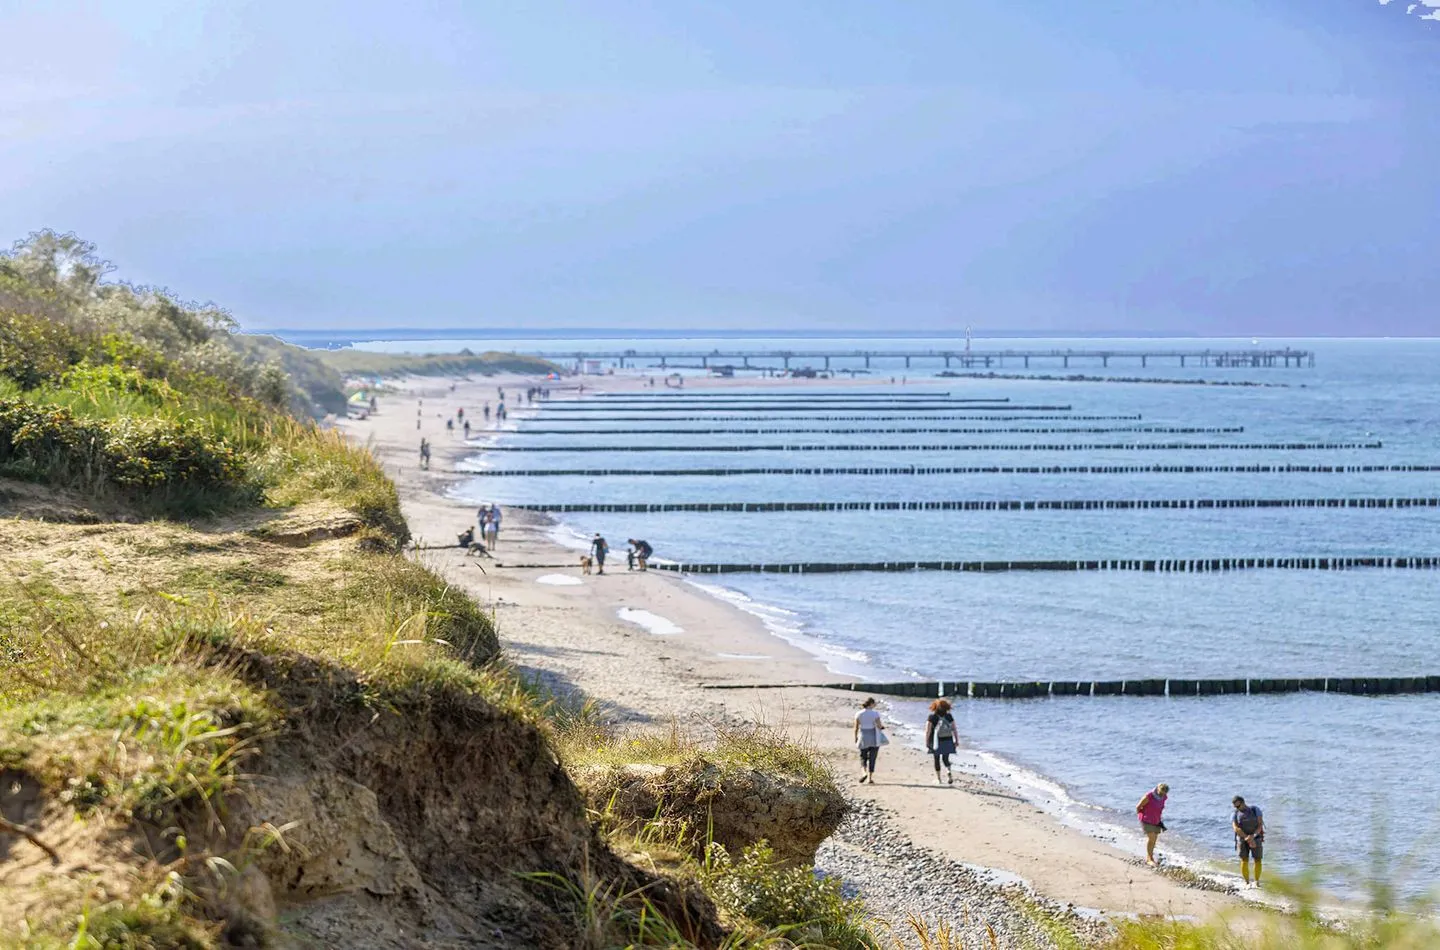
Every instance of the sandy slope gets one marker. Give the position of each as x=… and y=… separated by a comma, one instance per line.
x=573, y=635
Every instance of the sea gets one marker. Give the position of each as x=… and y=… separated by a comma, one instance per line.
x=1348, y=784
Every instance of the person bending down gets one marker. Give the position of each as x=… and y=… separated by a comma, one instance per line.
x=940, y=738
x=1249, y=824
x=1150, y=811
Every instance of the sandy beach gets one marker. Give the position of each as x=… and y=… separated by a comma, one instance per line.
x=572, y=630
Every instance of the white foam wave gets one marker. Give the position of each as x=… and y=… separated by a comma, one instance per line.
x=743, y=656
x=787, y=625
x=654, y=623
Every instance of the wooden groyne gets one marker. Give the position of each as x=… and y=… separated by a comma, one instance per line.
x=692, y=401
x=716, y=417
x=1147, y=566
x=956, y=470
x=1043, y=689
x=961, y=447
x=906, y=430
x=981, y=504
x=774, y=408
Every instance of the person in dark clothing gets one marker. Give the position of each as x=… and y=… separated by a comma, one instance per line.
x=598, y=550
x=467, y=537
x=1249, y=824
x=639, y=553
x=940, y=738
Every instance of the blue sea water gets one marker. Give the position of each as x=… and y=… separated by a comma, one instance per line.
x=1337, y=775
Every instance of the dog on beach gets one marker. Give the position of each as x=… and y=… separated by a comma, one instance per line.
x=586, y=563
x=476, y=548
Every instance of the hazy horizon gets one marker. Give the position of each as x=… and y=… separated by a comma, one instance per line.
x=1234, y=169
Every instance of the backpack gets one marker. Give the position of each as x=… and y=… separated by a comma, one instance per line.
x=945, y=728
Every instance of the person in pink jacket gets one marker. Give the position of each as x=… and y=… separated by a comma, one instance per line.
x=1149, y=810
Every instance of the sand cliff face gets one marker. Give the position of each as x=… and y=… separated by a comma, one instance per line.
x=368, y=802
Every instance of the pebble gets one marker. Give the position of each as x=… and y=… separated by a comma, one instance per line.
x=897, y=879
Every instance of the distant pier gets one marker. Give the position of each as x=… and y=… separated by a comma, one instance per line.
x=757, y=359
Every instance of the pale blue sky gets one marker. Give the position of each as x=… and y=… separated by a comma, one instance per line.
x=1259, y=167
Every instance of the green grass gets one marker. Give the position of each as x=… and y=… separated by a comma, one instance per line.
x=753, y=746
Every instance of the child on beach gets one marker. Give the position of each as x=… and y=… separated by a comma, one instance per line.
x=493, y=530
x=869, y=737
x=1149, y=810
x=940, y=738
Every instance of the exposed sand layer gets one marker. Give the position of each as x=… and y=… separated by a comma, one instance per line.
x=576, y=635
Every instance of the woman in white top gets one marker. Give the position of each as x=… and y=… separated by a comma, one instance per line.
x=869, y=732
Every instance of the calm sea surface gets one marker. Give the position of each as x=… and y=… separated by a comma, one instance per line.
x=1338, y=776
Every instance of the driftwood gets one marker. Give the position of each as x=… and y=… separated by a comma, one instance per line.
x=32, y=837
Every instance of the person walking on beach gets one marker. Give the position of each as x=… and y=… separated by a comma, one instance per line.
x=1249, y=824
x=494, y=535
x=869, y=736
x=425, y=453
x=467, y=428
x=940, y=738
x=598, y=550
x=483, y=519
x=1149, y=810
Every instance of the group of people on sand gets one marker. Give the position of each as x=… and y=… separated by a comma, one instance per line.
x=1247, y=821
x=939, y=739
x=489, y=523
x=637, y=556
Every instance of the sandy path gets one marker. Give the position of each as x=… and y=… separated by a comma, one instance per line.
x=573, y=635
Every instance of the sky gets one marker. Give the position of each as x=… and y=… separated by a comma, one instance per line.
x=1232, y=167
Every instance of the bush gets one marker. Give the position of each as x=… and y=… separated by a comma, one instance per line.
x=157, y=460
x=35, y=351
x=809, y=909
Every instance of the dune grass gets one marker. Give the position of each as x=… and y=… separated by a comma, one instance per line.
x=361, y=363
x=584, y=741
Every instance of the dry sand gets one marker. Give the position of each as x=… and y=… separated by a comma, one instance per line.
x=573, y=636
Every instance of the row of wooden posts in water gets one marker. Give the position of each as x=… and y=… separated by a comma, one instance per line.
x=1151, y=566
x=972, y=689
x=1286, y=469
x=928, y=417
x=960, y=447
x=972, y=430
x=980, y=504
x=774, y=408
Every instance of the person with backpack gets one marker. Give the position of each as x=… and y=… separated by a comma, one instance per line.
x=940, y=738
x=1149, y=810
x=1249, y=824
x=598, y=550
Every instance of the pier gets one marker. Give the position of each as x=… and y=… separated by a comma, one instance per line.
x=964, y=357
